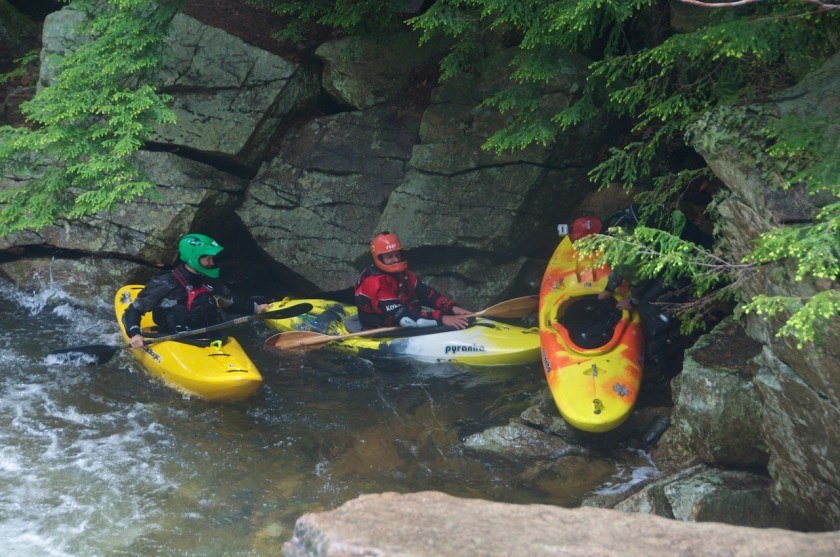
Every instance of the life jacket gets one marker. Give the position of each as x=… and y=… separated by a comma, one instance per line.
x=194, y=293
x=383, y=299
x=374, y=281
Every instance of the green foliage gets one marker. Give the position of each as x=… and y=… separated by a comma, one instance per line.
x=544, y=31
x=814, y=252
x=788, y=151
x=360, y=17
x=647, y=252
x=20, y=68
x=807, y=317
x=813, y=247
x=74, y=159
x=735, y=59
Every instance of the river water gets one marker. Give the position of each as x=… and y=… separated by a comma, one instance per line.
x=101, y=460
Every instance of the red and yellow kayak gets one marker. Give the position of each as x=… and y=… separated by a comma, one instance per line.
x=592, y=352
x=217, y=370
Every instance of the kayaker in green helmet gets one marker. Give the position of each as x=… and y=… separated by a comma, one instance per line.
x=189, y=296
x=389, y=294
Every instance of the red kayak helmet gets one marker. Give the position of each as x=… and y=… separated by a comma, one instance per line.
x=387, y=242
x=584, y=226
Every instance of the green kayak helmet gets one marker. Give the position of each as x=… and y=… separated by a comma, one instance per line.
x=193, y=247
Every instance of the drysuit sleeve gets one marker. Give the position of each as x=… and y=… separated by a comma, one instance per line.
x=146, y=301
x=614, y=280
x=131, y=321
x=390, y=304
x=440, y=304
x=229, y=301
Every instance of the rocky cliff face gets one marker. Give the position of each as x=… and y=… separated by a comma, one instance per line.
x=797, y=387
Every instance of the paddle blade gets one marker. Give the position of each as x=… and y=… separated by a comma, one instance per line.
x=511, y=309
x=93, y=354
x=285, y=312
x=295, y=341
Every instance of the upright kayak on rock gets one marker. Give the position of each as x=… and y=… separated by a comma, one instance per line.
x=212, y=369
x=485, y=343
x=592, y=352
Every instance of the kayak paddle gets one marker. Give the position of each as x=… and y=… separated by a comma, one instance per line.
x=302, y=340
x=101, y=353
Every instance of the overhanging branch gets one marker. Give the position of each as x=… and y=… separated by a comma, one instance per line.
x=822, y=5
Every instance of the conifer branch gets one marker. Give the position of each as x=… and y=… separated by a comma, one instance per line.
x=822, y=5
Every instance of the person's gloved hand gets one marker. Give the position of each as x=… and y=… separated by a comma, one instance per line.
x=408, y=323
x=456, y=321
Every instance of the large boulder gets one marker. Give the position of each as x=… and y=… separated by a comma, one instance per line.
x=362, y=72
x=229, y=97
x=314, y=207
x=717, y=412
x=470, y=219
x=18, y=35
x=705, y=494
x=474, y=216
x=324, y=186
x=430, y=524
x=227, y=114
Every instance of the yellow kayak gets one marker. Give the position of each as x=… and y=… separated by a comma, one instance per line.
x=592, y=352
x=486, y=343
x=212, y=370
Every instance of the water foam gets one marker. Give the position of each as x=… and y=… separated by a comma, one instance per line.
x=80, y=474
x=629, y=475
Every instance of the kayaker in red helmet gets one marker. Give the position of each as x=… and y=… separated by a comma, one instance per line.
x=388, y=294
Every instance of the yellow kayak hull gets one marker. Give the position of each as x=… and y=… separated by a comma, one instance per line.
x=486, y=343
x=595, y=389
x=219, y=371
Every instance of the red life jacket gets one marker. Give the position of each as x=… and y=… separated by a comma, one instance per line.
x=192, y=291
x=385, y=298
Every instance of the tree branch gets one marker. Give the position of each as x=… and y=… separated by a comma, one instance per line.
x=822, y=5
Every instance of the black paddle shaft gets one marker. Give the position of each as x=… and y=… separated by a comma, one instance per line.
x=283, y=313
x=101, y=353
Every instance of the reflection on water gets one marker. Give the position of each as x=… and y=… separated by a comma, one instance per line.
x=100, y=460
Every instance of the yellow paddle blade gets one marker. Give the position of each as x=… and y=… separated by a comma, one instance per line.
x=516, y=307
x=293, y=340
x=303, y=340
